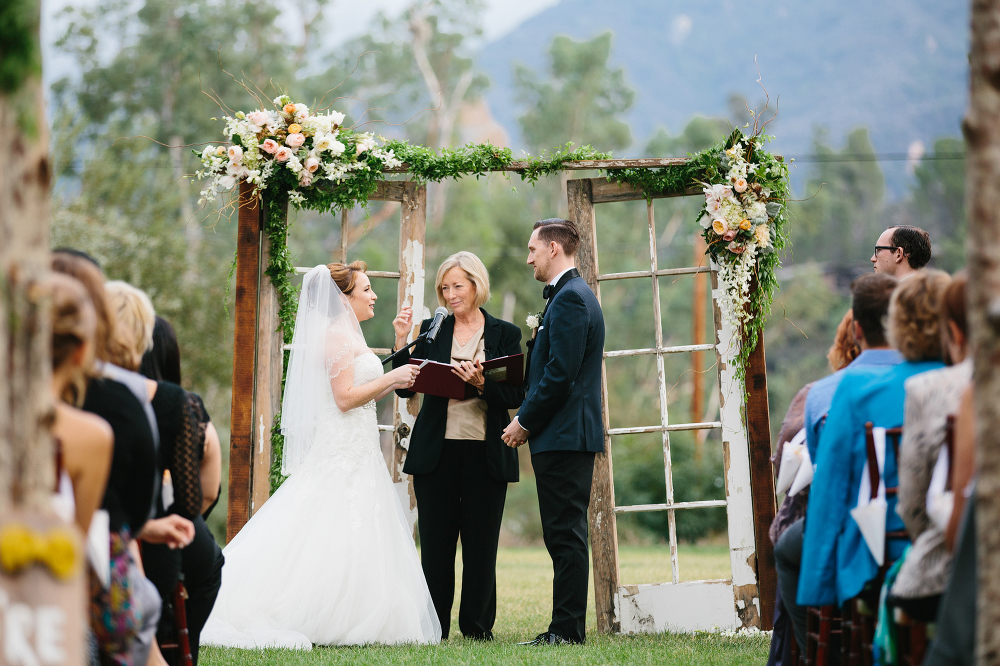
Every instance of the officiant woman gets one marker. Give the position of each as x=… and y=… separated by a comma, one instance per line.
x=459, y=465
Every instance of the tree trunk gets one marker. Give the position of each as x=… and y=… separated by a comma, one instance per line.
x=26, y=456
x=982, y=132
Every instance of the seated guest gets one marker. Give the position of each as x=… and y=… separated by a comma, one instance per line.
x=844, y=349
x=201, y=561
x=870, y=296
x=123, y=614
x=85, y=440
x=836, y=563
x=930, y=398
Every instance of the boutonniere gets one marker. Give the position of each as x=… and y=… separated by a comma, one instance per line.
x=534, y=321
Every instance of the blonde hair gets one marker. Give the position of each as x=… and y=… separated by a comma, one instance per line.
x=914, y=326
x=474, y=270
x=136, y=317
x=74, y=324
x=345, y=275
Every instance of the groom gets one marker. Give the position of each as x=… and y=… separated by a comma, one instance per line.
x=561, y=415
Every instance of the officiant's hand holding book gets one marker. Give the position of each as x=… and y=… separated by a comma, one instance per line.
x=442, y=379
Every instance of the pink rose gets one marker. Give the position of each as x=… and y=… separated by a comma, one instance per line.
x=305, y=178
x=282, y=154
x=235, y=153
x=258, y=118
x=729, y=235
x=737, y=249
x=312, y=164
x=740, y=185
x=270, y=146
x=295, y=140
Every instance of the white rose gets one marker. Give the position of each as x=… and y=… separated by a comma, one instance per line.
x=235, y=153
x=336, y=147
x=322, y=142
x=532, y=321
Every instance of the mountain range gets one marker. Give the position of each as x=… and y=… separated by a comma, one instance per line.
x=897, y=67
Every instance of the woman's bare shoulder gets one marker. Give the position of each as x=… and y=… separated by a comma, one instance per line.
x=81, y=427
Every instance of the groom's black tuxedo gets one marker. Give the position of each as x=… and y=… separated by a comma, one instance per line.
x=562, y=412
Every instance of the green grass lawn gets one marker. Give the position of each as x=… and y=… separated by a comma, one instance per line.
x=524, y=601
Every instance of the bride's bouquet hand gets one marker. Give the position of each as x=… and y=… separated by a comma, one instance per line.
x=403, y=324
x=404, y=376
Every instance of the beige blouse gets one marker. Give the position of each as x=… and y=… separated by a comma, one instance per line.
x=467, y=418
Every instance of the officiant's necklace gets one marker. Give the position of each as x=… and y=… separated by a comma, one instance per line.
x=462, y=342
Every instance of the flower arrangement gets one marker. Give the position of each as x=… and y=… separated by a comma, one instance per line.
x=739, y=218
x=292, y=148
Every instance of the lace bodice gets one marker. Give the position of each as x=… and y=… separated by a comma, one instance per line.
x=348, y=438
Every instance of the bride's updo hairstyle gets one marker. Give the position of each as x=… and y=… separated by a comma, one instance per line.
x=913, y=320
x=345, y=275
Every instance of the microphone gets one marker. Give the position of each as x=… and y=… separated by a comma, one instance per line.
x=439, y=316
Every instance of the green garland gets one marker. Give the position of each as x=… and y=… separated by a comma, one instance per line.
x=428, y=165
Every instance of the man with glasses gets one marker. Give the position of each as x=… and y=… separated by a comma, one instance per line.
x=901, y=251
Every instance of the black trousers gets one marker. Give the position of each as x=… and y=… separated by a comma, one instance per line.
x=460, y=498
x=787, y=563
x=201, y=563
x=564, y=479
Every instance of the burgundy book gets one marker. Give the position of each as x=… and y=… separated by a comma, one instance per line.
x=438, y=379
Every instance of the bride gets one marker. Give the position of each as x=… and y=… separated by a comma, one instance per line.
x=329, y=559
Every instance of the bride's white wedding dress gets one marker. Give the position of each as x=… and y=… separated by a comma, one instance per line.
x=329, y=559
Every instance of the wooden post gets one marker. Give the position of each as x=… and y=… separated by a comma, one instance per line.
x=603, y=526
x=413, y=224
x=267, y=377
x=241, y=438
x=698, y=337
x=42, y=616
x=982, y=133
x=761, y=480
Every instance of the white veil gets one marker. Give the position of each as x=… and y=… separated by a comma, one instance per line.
x=327, y=338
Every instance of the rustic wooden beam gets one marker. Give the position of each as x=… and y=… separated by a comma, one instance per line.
x=413, y=226
x=606, y=191
x=267, y=377
x=248, y=237
x=603, y=525
x=586, y=165
x=761, y=480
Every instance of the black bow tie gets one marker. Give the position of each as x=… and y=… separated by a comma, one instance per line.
x=547, y=291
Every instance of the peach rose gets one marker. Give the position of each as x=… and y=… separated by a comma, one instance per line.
x=720, y=226
x=740, y=184
x=235, y=153
x=294, y=128
x=282, y=154
x=312, y=164
x=737, y=249
x=295, y=140
x=270, y=146
x=289, y=109
x=745, y=224
x=258, y=118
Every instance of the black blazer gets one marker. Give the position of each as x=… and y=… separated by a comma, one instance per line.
x=500, y=338
x=562, y=408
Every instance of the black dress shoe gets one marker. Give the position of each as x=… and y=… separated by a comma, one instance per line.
x=550, y=638
x=485, y=637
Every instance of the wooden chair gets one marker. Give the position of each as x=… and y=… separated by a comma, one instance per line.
x=182, y=639
x=823, y=636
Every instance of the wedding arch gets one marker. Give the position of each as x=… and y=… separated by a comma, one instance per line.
x=744, y=189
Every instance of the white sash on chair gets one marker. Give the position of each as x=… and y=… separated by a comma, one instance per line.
x=870, y=512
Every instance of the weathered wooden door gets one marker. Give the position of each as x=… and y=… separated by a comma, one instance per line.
x=258, y=357
x=746, y=599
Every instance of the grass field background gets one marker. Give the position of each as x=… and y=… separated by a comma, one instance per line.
x=524, y=602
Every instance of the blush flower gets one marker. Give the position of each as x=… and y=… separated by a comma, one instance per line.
x=282, y=154
x=762, y=235
x=305, y=178
x=312, y=165
x=235, y=153
x=737, y=249
x=740, y=185
x=295, y=140
x=720, y=226
x=270, y=146
x=729, y=235
x=258, y=118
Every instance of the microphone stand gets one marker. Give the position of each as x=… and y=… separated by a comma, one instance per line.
x=405, y=348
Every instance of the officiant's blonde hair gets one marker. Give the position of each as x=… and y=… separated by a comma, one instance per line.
x=474, y=270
